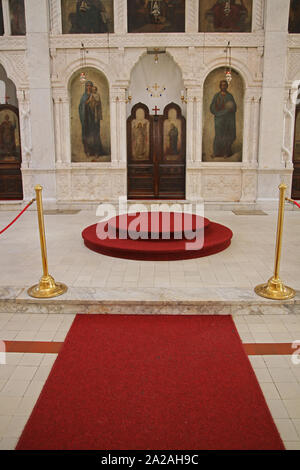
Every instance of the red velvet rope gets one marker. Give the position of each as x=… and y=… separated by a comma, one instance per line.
x=293, y=202
x=19, y=215
x=297, y=204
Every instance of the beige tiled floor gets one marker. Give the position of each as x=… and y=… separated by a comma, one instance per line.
x=24, y=374
x=247, y=262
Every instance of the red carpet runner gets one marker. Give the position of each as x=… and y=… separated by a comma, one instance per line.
x=130, y=382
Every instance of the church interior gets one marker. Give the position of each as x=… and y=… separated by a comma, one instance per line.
x=149, y=225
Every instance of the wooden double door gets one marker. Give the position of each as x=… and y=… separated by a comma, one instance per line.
x=296, y=157
x=10, y=154
x=156, y=153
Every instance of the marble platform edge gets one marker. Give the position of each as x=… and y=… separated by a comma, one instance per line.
x=219, y=301
x=269, y=206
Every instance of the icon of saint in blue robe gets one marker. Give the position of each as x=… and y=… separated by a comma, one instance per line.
x=223, y=107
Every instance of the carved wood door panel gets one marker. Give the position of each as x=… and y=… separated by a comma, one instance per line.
x=156, y=153
x=140, y=164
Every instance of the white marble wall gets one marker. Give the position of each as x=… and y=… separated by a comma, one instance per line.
x=42, y=160
x=42, y=63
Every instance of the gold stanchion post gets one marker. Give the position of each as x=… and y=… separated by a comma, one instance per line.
x=47, y=286
x=274, y=288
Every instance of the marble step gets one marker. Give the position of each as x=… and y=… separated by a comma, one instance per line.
x=148, y=301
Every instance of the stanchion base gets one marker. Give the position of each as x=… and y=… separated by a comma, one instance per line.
x=47, y=288
x=275, y=289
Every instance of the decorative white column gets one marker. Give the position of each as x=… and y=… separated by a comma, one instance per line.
x=189, y=127
x=120, y=16
x=193, y=124
x=251, y=129
x=25, y=127
x=42, y=162
x=56, y=106
x=258, y=15
x=248, y=119
x=63, y=145
x=66, y=129
x=271, y=167
x=289, y=126
x=26, y=143
x=191, y=16
x=61, y=108
x=121, y=117
x=62, y=128
x=198, y=110
x=114, y=125
x=249, y=168
x=255, y=131
x=275, y=54
x=194, y=176
x=55, y=17
x=6, y=18
x=118, y=140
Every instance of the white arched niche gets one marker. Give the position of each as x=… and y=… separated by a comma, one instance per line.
x=7, y=89
x=156, y=84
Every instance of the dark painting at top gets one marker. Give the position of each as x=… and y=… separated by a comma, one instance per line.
x=294, y=21
x=221, y=16
x=157, y=16
x=87, y=16
x=1, y=20
x=17, y=17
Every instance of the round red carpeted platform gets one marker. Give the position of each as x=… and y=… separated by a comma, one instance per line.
x=157, y=225
x=162, y=236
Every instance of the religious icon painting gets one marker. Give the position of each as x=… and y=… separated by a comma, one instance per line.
x=17, y=17
x=10, y=148
x=90, y=120
x=172, y=135
x=221, y=16
x=222, y=117
x=173, y=132
x=1, y=20
x=294, y=19
x=296, y=156
x=10, y=153
x=87, y=16
x=138, y=132
x=297, y=137
x=156, y=16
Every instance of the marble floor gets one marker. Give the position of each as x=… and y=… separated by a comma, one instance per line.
x=229, y=275
x=247, y=262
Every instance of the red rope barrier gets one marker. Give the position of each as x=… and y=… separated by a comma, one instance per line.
x=293, y=202
x=19, y=215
